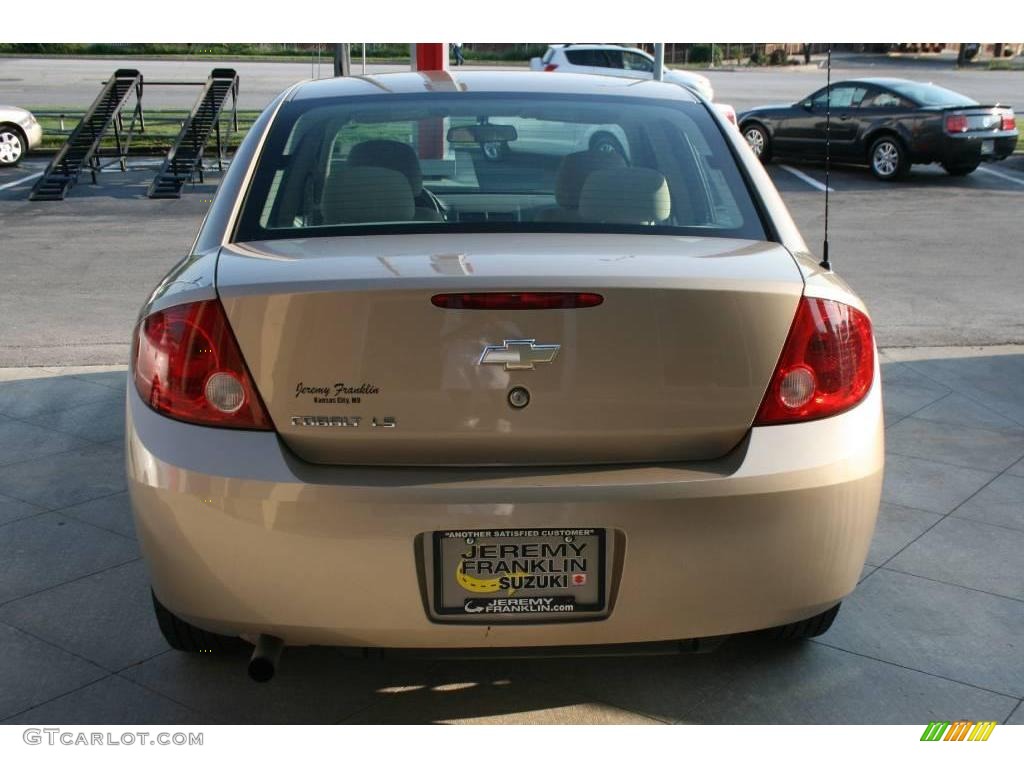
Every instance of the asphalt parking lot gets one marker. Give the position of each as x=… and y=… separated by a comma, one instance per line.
x=933, y=631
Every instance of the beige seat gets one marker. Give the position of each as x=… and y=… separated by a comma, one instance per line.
x=387, y=153
x=365, y=195
x=573, y=172
x=625, y=196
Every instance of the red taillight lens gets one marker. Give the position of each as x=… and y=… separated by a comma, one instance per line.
x=1008, y=123
x=550, y=67
x=827, y=364
x=727, y=111
x=956, y=123
x=516, y=300
x=187, y=365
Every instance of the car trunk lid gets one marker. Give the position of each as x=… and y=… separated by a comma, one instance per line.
x=975, y=120
x=357, y=365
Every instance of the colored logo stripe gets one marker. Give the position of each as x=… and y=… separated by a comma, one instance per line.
x=959, y=730
x=934, y=731
x=982, y=731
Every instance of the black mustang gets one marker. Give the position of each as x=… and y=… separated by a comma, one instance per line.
x=887, y=124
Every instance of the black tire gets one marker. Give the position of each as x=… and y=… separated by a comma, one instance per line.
x=7, y=130
x=961, y=170
x=803, y=630
x=182, y=636
x=756, y=136
x=606, y=142
x=888, y=158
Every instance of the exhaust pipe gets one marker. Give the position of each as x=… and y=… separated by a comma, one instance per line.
x=265, y=658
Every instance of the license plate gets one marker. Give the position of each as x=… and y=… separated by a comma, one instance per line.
x=516, y=572
x=988, y=147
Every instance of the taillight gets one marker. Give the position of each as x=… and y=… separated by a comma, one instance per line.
x=187, y=365
x=827, y=364
x=550, y=67
x=728, y=112
x=956, y=123
x=1008, y=123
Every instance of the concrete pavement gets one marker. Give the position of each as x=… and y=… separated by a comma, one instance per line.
x=933, y=631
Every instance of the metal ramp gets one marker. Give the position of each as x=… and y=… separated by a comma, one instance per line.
x=186, y=156
x=80, y=150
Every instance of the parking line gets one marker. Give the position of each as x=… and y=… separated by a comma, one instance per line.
x=804, y=177
x=1001, y=175
x=20, y=181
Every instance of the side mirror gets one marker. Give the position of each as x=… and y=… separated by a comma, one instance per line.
x=536, y=64
x=806, y=104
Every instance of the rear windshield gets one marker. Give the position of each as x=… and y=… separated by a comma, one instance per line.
x=929, y=95
x=508, y=163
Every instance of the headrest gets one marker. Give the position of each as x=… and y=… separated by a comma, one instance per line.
x=625, y=196
x=386, y=153
x=574, y=170
x=366, y=195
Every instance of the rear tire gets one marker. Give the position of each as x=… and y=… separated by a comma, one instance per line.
x=13, y=145
x=888, y=158
x=756, y=136
x=803, y=630
x=961, y=170
x=182, y=636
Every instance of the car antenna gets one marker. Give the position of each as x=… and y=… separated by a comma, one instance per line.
x=828, y=151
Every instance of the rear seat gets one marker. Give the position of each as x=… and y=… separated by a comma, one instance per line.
x=625, y=196
x=366, y=195
x=387, y=153
x=573, y=171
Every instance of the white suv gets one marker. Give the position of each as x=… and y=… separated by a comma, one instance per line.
x=614, y=60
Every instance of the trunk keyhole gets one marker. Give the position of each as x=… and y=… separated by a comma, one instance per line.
x=518, y=397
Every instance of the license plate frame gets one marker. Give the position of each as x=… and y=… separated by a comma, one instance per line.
x=442, y=604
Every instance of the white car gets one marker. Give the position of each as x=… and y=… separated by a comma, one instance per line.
x=19, y=132
x=620, y=61
x=545, y=137
x=615, y=60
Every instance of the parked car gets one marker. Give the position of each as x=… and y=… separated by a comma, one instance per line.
x=615, y=60
x=399, y=396
x=20, y=132
x=886, y=123
x=620, y=61
x=549, y=137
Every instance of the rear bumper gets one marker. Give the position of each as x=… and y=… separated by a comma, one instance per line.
x=967, y=149
x=242, y=538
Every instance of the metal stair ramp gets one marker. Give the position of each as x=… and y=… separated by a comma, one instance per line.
x=80, y=150
x=186, y=156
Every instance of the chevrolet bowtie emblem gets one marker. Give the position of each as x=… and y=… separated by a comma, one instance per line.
x=518, y=354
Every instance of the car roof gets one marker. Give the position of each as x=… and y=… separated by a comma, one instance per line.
x=489, y=81
x=885, y=82
x=594, y=46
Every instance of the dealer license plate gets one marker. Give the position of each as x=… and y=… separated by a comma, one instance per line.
x=510, y=572
x=988, y=147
